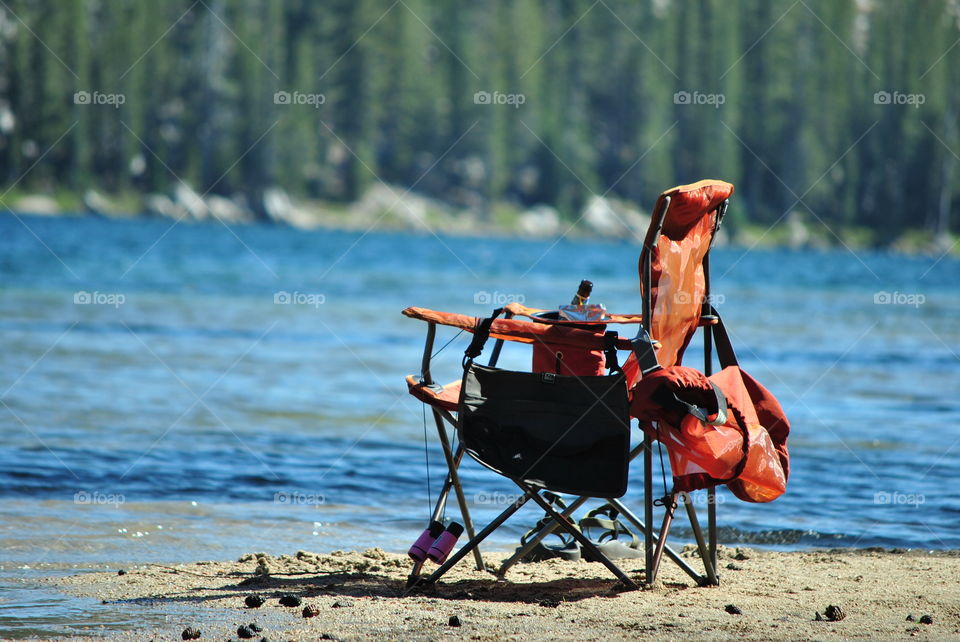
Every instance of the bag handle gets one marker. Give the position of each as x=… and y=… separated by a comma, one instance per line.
x=722, y=343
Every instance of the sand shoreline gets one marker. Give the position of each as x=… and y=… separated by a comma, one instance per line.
x=359, y=596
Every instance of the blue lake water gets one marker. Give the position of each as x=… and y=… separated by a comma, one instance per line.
x=161, y=401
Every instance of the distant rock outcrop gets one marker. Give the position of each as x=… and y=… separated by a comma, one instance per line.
x=39, y=204
x=614, y=218
x=539, y=221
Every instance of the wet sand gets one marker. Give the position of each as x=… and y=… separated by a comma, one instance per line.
x=358, y=595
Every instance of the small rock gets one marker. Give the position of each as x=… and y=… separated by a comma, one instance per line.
x=254, y=601
x=328, y=636
x=310, y=611
x=256, y=628
x=741, y=555
x=926, y=619
x=244, y=632
x=910, y=618
x=733, y=609
x=190, y=633
x=834, y=613
x=818, y=617
x=550, y=603
x=290, y=600
x=455, y=621
x=734, y=567
x=342, y=604
x=121, y=572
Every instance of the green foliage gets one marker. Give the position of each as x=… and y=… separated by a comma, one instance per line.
x=783, y=102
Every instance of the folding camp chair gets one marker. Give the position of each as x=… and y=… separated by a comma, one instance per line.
x=674, y=273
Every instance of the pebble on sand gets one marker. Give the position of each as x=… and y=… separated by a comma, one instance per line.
x=834, y=613
x=254, y=601
x=733, y=609
x=121, y=572
x=454, y=621
x=244, y=632
x=190, y=633
x=310, y=611
x=290, y=600
x=926, y=619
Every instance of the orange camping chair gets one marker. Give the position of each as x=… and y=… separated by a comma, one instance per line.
x=675, y=289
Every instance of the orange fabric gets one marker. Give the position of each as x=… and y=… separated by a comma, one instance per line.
x=676, y=268
x=447, y=397
x=748, y=452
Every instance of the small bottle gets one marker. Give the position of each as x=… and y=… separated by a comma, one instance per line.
x=444, y=544
x=583, y=293
x=418, y=552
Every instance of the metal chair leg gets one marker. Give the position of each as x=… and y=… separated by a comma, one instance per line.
x=452, y=466
x=701, y=544
x=648, y=506
x=667, y=550
x=577, y=535
x=544, y=532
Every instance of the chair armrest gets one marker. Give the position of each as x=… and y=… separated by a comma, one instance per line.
x=520, y=330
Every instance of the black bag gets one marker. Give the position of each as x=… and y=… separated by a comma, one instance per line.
x=565, y=433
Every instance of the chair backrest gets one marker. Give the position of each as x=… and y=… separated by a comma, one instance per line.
x=674, y=269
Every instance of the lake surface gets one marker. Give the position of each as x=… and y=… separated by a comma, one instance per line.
x=174, y=393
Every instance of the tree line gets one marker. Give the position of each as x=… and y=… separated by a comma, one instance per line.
x=842, y=110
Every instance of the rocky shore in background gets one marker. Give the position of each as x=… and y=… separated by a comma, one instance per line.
x=388, y=207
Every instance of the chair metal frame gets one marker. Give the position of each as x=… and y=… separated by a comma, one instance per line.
x=655, y=544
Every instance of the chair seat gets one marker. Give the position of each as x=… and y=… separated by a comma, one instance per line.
x=446, y=397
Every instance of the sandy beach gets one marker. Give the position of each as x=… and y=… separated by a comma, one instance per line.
x=357, y=595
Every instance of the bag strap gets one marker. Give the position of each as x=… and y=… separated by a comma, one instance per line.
x=480, y=335
x=610, y=351
x=722, y=343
